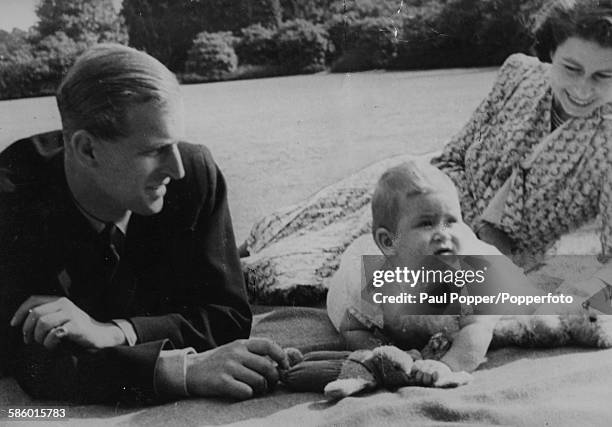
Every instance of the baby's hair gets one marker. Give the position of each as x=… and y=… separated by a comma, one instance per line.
x=399, y=183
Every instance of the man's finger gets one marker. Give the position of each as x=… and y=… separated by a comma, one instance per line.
x=263, y=366
x=255, y=381
x=32, y=302
x=54, y=337
x=265, y=347
x=31, y=320
x=47, y=322
x=236, y=389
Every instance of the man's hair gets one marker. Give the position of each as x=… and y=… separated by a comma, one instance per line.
x=104, y=82
x=561, y=19
x=401, y=182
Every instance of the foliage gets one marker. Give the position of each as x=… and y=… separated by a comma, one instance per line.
x=363, y=43
x=81, y=20
x=166, y=28
x=264, y=12
x=212, y=55
x=466, y=33
x=22, y=76
x=14, y=45
x=316, y=11
x=256, y=46
x=58, y=52
x=321, y=11
x=302, y=46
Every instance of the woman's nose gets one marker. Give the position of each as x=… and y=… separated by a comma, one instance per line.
x=584, y=88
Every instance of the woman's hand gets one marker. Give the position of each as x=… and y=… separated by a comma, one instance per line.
x=496, y=237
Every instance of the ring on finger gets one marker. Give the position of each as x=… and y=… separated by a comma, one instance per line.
x=59, y=331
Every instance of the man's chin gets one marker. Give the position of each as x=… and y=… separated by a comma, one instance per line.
x=152, y=207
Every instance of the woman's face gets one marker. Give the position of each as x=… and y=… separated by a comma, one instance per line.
x=581, y=76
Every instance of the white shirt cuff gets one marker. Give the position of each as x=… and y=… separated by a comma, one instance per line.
x=170, y=376
x=128, y=330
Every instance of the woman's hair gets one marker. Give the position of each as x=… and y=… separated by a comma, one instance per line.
x=398, y=184
x=561, y=19
x=104, y=81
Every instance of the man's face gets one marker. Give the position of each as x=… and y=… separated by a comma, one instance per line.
x=133, y=171
x=581, y=76
x=430, y=225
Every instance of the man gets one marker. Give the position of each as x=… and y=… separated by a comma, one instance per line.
x=120, y=278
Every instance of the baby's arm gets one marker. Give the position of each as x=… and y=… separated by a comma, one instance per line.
x=466, y=353
x=471, y=343
x=357, y=336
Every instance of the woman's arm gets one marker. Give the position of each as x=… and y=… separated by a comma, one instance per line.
x=452, y=159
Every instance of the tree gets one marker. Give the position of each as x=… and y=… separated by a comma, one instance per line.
x=212, y=55
x=81, y=20
x=166, y=28
x=14, y=45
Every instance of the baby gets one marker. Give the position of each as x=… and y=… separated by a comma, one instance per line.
x=415, y=214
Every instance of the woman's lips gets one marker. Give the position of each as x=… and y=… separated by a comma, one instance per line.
x=579, y=102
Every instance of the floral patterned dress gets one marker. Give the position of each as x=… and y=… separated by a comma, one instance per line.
x=553, y=181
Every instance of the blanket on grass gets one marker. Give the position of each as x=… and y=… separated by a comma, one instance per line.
x=564, y=386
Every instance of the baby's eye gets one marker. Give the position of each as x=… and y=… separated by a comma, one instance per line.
x=425, y=223
x=450, y=221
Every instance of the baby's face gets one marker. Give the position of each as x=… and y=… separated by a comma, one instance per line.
x=431, y=225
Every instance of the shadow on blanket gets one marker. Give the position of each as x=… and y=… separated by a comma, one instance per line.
x=560, y=386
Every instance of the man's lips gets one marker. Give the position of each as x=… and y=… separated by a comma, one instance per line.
x=158, y=190
x=163, y=183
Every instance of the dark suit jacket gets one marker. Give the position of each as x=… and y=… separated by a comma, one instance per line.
x=179, y=281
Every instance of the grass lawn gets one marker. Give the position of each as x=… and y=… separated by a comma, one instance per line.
x=280, y=139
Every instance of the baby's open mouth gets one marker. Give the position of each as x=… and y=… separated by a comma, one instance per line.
x=445, y=251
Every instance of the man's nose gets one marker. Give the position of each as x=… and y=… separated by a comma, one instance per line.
x=173, y=164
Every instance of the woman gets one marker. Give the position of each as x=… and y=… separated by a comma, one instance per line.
x=533, y=162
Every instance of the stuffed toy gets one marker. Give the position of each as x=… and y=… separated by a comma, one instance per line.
x=343, y=373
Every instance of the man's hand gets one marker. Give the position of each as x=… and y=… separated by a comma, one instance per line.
x=48, y=320
x=240, y=369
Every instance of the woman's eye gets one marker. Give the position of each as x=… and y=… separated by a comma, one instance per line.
x=603, y=76
x=572, y=69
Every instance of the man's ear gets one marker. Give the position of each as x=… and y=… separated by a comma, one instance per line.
x=385, y=241
x=82, y=145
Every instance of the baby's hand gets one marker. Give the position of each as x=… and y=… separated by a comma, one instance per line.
x=427, y=372
x=432, y=373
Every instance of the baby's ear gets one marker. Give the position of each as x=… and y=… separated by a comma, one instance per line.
x=385, y=241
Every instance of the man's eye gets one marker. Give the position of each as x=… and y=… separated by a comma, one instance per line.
x=158, y=151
